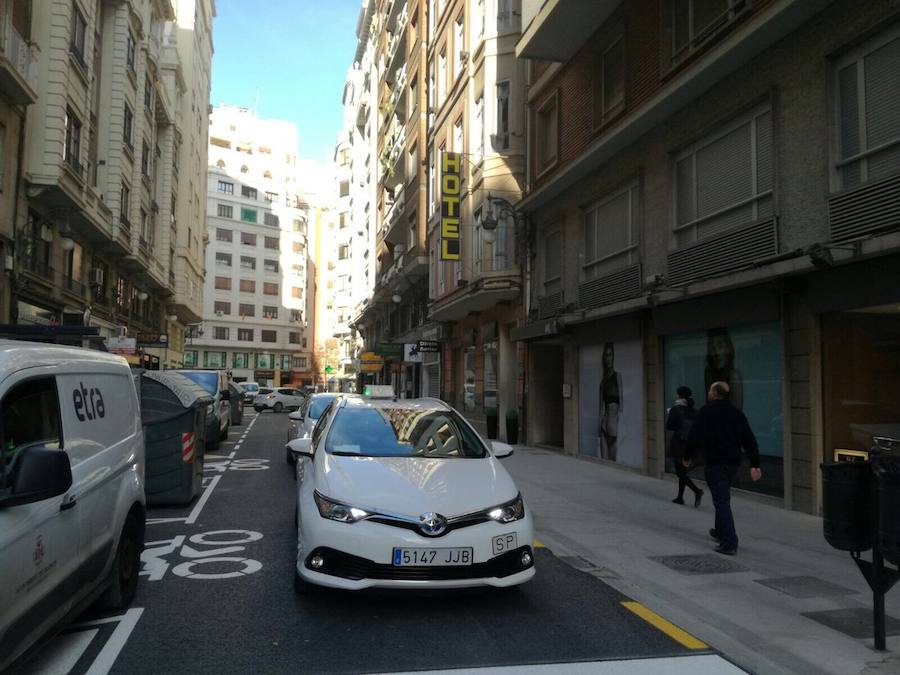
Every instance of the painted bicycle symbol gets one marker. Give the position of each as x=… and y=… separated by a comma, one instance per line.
x=193, y=560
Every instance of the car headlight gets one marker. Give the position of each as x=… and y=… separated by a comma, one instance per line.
x=509, y=512
x=332, y=510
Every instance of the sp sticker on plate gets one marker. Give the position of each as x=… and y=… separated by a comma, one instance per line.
x=503, y=543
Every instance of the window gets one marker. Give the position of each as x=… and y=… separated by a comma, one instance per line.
x=225, y=187
x=442, y=77
x=245, y=335
x=129, y=52
x=547, y=134
x=270, y=266
x=610, y=233
x=343, y=221
x=459, y=44
x=248, y=192
x=506, y=18
x=214, y=359
x=248, y=263
x=868, y=112
x=299, y=226
x=269, y=312
x=270, y=288
x=344, y=188
x=148, y=94
x=271, y=219
x=726, y=179
x=296, y=315
x=692, y=22
x=502, y=141
x=223, y=283
x=272, y=197
x=269, y=335
x=458, y=136
x=248, y=239
x=73, y=141
x=127, y=125
x=478, y=129
x=223, y=308
x=223, y=235
x=225, y=211
x=343, y=252
x=125, y=205
x=248, y=286
x=297, y=247
x=223, y=259
x=190, y=358
x=294, y=338
x=220, y=333
x=272, y=243
x=79, y=29
x=296, y=292
x=248, y=215
x=552, y=257
x=31, y=417
x=240, y=359
x=247, y=309
x=609, y=82
x=299, y=362
x=413, y=162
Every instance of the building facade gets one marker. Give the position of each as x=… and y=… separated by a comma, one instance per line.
x=256, y=299
x=99, y=223
x=721, y=205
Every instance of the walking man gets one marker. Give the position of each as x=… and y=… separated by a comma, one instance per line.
x=719, y=433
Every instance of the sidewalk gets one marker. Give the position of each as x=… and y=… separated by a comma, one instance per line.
x=617, y=525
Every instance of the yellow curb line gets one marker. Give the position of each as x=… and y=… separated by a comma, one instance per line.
x=539, y=544
x=682, y=637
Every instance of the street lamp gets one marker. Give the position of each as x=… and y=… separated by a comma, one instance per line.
x=497, y=206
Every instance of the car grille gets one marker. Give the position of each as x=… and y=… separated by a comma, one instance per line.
x=340, y=564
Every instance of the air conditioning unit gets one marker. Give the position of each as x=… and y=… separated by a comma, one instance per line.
x=95, y=278
x=219, y=312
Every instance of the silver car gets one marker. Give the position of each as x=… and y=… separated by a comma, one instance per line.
x=281, y=398
x=303, y=421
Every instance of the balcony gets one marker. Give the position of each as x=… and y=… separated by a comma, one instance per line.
x=17, y=63
x=394, y=212
x=558, y=28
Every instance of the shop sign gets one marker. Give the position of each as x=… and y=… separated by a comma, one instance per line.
x=370, y=362
x=429, y=346
x=121, y=345
x=389, y=350
x=264, y=374
x=451, y=184
x=37, y=315
x=152, y=340
x=411, y=353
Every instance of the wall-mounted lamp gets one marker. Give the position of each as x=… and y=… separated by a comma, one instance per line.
x=396, y=299
x=172, y=317
x=142, y=295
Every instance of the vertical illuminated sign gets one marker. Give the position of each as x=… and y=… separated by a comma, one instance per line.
x=451, y=183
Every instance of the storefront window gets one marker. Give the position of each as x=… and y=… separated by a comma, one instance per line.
x=190, y=358
x=265, y=360
x=750, y=359
x=240, y=360
x=861, y=393
x=491, y=359
x=469, y=381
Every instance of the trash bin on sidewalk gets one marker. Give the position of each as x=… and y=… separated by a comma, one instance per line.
x=888, y=474
x=173, y=412
x=847, y=501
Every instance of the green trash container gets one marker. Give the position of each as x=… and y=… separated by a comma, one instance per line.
x=173, y=413
x=848, y=505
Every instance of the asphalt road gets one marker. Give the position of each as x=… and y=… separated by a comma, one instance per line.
x=216, y=596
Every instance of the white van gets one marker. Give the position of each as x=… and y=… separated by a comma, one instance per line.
x=72, y=505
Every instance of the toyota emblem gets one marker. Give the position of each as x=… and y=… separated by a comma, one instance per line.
x=432, y=524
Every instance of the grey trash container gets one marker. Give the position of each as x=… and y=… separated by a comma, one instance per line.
x=173, y=412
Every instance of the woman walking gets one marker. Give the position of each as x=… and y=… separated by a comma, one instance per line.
x=681, y=417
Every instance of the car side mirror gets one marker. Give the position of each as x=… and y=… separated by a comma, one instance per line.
x=40, y=474
x=225, y=395
x=297, y=415
x=501, y=450
x=300, y=447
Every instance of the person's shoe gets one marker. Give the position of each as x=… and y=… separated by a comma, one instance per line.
x=698, y=497
x=724, y=550
x=678, y=500
x=714, y=534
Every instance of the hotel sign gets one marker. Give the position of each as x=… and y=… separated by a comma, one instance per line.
x=451, y=188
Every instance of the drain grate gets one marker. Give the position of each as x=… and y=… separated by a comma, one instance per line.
x=805, y=587
x=856, y=622
x=700, y=564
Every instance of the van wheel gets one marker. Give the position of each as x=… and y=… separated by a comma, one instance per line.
x=126, y=566
x=278, y=407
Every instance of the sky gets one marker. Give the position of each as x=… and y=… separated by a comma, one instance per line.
x=295, y=55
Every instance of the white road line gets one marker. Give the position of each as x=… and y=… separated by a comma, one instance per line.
x=61, y=655
x=107, y=656
x=701, y=664
x=231, y=456
x=191, y=519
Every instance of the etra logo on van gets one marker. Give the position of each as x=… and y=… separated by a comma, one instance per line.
x=88, y=403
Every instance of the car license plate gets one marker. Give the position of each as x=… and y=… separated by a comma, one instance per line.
x=504, y=542
x=432, y=557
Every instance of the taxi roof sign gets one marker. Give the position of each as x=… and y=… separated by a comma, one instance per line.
x=378, y=391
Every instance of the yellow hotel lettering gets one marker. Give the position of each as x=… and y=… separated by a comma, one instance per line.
x=450, y=192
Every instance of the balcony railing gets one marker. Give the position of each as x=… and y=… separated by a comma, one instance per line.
x=18, y=53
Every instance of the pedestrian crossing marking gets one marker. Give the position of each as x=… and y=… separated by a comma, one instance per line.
x=680, y=636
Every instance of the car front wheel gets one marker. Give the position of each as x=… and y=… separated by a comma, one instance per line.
x=278, y=407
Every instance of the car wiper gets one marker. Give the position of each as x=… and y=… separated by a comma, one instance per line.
x=342, y=453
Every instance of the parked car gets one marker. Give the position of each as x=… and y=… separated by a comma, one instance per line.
x=72, y=498
x=281, y=398
x=405, y=494
x=303, y=420
x=250, y=391
x=236, y=402
x=215, y=383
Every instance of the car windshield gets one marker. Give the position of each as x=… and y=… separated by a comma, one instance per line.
x=317, y=405
x=264, y=390
x=401, y=432
x=252, y=388
x=209, y=381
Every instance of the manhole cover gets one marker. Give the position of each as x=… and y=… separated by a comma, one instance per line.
x=856, y=622
x=700, y=564
x=805, y=587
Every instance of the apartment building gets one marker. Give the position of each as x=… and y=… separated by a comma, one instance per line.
x=713, y=194
x=257, y=299
x=99, y=220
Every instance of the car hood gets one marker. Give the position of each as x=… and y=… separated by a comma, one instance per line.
x=415, y=485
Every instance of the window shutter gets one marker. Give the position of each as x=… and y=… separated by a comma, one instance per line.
x=612, y=225
x=724, y=177
x=882, y=82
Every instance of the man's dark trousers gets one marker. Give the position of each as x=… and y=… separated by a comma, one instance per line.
x=720, y=478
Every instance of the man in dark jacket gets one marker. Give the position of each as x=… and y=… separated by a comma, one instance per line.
x=719, y=433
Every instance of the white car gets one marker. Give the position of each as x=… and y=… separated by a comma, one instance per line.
x=303, y=420
x=405, y=494
x=282, y=398
x=72, y=498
